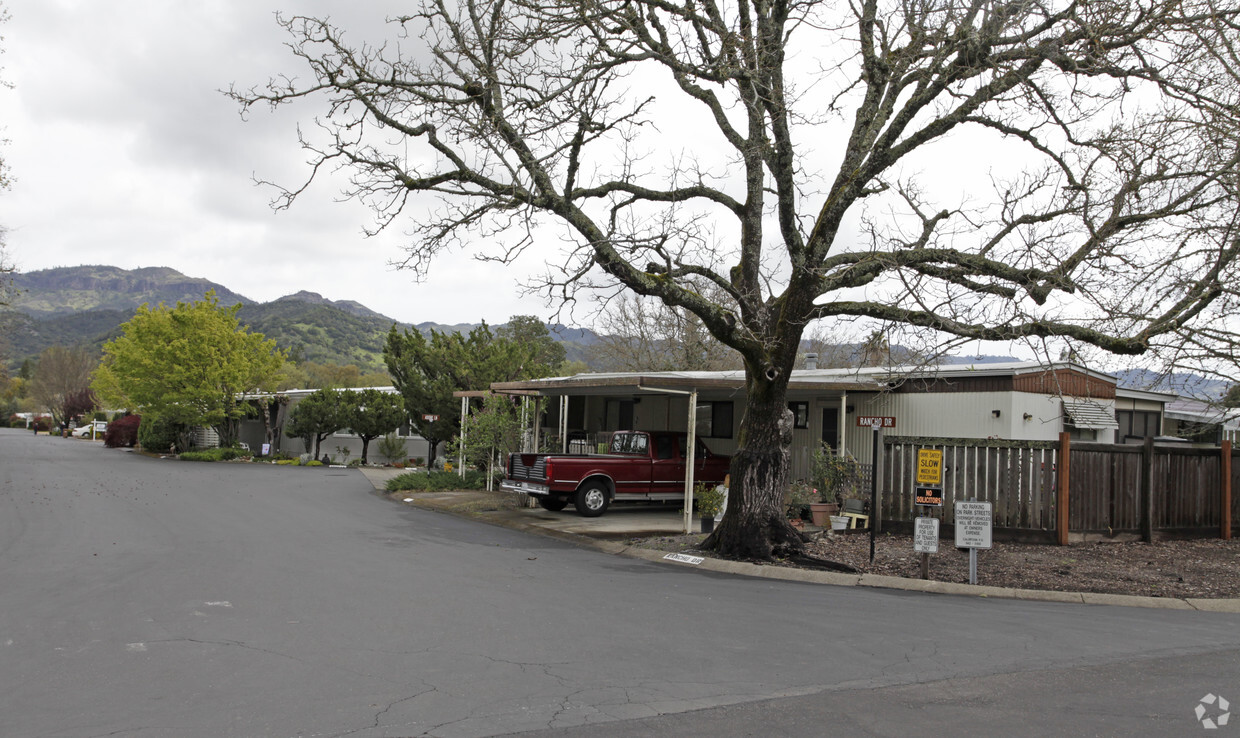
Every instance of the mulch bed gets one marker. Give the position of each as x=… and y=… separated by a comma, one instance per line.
x=1206, y=568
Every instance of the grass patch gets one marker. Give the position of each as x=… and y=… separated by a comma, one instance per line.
x=436, y=481
x=211, y=454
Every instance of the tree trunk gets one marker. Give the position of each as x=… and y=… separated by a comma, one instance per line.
x=756, y=525
x=365, y=448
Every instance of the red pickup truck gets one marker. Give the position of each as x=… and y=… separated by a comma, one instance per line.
x=638, y=465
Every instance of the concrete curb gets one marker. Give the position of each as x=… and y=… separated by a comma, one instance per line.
x=876, y=581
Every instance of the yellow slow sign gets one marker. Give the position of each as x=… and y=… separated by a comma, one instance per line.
x=929, y=466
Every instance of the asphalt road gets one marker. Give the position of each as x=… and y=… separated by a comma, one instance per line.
x=147, y=597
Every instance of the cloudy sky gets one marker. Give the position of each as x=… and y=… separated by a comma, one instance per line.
x=125, y=153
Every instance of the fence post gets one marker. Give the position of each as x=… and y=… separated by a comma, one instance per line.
x=1225, y=468
x=1061, y=504
x=1147, y=490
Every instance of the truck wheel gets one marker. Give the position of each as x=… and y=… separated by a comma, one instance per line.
x=554, y=504
x=592, y=499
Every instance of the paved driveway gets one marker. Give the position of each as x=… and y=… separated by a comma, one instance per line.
x=147, y=597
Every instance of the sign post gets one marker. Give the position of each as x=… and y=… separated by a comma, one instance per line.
x=875, y=423
x=974, y=523
x=926, y=541
x=929, y=493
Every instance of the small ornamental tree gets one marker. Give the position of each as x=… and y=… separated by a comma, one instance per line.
x=370, y=413
x=80, y=402
x=316, y=417
x=122, y=432
x=490, y=434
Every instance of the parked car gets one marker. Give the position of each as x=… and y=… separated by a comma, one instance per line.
x=638, y=465
x=83, y=431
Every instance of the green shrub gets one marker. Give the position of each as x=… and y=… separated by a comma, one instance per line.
x=392, y=447
x=287, y=462
x=314, y=463
x=157, y=435
x=211, y=454
x=437, y=481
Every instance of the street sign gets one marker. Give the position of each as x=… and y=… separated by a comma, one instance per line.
x=929, y=496
x=431, y=418
x=929, y=466
x=875, y=421
x=926, y=535
x=974, y=521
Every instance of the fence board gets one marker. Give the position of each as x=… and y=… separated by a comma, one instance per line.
x=1019, y=479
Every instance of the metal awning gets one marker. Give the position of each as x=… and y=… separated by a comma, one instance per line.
x=1089, y=414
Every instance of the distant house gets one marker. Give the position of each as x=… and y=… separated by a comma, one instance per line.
x=1015, y=401
x=252, y=433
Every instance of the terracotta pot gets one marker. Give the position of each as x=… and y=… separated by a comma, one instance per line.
x=821, y=512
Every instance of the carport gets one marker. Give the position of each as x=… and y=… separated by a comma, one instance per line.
x=583, y=410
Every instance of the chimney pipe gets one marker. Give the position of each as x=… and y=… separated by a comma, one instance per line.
x=811, y=361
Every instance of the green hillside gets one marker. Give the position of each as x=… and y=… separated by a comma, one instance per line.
x=86, y=305
x=320, y=333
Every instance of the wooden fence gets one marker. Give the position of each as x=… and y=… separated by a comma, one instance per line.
x=1107, y=489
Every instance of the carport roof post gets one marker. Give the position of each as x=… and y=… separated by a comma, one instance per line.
x=690, y=447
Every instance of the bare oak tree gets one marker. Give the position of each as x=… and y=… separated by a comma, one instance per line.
x=63, y=380
x=986, y=170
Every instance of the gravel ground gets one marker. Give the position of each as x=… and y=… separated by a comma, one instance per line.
x=1208, y=568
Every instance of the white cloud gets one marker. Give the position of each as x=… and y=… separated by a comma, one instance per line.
x=126, y=153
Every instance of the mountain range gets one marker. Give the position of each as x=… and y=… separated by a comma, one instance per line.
x=86, y=305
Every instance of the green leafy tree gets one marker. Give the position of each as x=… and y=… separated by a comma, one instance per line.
x=188, y=366
x=1232, y=398
x=539, y=354
x=370, y=413
x=316, y=417
x=1044, y=172
x=428, y=370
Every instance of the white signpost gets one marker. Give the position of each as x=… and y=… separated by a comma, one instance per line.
x=926, y=535
x=974, y=521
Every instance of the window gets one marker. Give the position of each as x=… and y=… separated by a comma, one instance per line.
x=619, y=415
x=1138, y=424
x=800, y=414
x=714, y=419
x=831, y=426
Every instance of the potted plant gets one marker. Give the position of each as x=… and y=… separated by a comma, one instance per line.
x=796, y=499
x=821, y=510
x=837, y=477
x=709, y=503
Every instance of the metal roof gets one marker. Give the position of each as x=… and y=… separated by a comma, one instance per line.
x=1089, y=414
